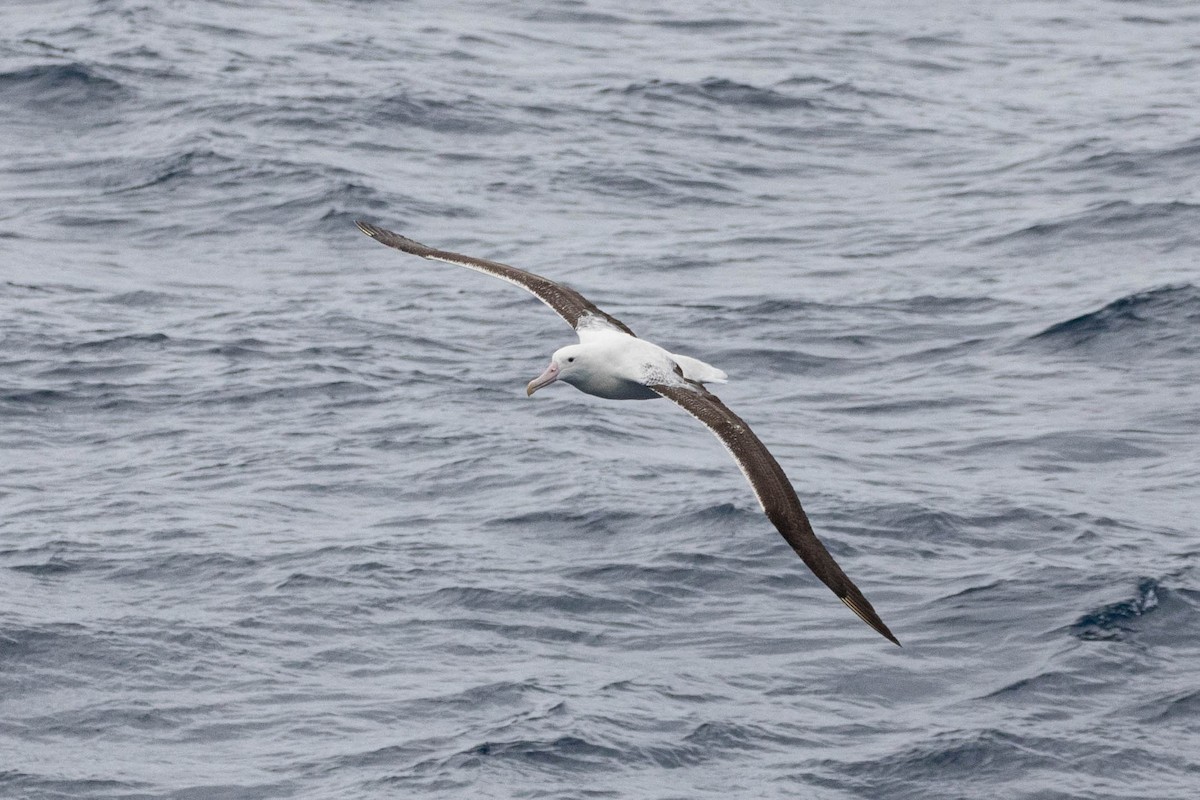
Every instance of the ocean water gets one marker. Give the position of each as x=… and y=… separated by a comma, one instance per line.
x=277, y=520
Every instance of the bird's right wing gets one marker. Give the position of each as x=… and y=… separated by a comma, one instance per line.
x=577, y=310
x=774, y=492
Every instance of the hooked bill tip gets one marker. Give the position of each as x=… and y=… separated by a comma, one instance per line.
x=546, y=378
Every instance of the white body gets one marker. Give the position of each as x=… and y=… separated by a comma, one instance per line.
x=614, y=365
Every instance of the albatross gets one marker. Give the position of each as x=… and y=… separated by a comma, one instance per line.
x=611, y=362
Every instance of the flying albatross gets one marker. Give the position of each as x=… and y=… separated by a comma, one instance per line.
x=611, y=362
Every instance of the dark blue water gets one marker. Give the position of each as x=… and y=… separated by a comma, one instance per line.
x=277, y=520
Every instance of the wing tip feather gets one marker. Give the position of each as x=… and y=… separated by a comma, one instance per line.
x=683, y=393
x=866, y=613
x=393, y=239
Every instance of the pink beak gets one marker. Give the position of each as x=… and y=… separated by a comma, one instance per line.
x=545, y=379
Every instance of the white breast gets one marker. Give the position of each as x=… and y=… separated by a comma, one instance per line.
x=619, y=367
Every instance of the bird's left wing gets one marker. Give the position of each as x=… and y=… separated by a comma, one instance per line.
x=774, y=491
x=577, y=310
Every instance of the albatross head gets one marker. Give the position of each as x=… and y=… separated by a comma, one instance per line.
x=567, y=364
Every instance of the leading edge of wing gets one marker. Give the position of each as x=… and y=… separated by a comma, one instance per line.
x=569, y=304
x=775, y=493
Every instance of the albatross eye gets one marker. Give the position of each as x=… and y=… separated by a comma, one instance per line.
x=571, y=360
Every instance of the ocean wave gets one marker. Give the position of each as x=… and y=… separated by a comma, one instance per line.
x=1063, y=450
x=500, y=695
x=1169, y=225
x=1164, y=162
x=463, y=114
x=706, y=742
x=568, y=601
x=48, y=641
x=68, y=91
x=339, y=392
x=1180, y=706
x=142, y=298
x=31, y=400
x=192, y=565
x=966, y=760
x=1045, y=688
x=195, y=168
x=719, y=92
x=1162, y=321
x=680, y=576
x=122, y=343
x=243, y=190
x=650, y=183
x=33, y=785
x=55, y=565
x=594, y=523
x=710, y=23
x=1116, y=620
x=572, y=753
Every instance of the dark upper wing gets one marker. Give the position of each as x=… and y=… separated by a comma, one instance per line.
x=576, y=309
x=774, y=491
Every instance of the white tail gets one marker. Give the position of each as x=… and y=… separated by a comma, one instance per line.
x=696, y=370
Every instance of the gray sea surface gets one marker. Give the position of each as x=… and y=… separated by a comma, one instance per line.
x=278, y=521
